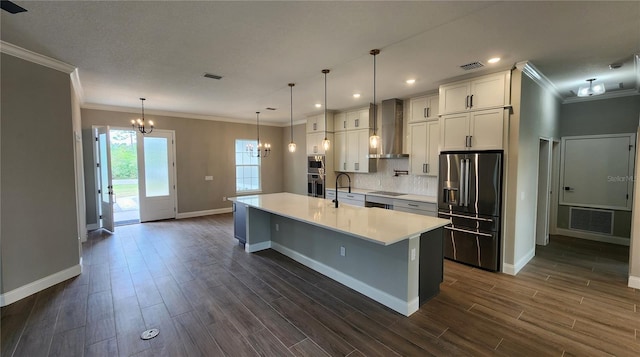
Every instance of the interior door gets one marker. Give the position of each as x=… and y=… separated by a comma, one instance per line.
x=105, y=181
x=156, y=167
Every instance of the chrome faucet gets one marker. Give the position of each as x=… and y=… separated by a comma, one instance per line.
x=338, y=178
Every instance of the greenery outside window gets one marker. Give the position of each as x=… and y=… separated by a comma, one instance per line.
x=247, y=168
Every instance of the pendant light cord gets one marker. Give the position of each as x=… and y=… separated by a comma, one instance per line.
x=258, y=127
x=325, y=102
x=374, y=52
x=291, y=87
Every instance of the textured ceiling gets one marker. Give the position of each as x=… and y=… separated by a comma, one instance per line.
x=160, y=50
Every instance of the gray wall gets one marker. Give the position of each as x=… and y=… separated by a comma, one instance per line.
x=295, y=165
x=536, y=114
x=38, y=223
x=203, y=148
x=597, y=117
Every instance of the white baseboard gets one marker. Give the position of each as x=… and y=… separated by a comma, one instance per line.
x=399, y=305
x=39, y=285
x=251, y=248
x=593, y=236
x=208, y=212
x=92, y=226
x=513, y=269
x=634, y=282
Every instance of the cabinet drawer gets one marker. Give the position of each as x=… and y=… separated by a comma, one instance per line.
x=357, y=197
x=426, y=208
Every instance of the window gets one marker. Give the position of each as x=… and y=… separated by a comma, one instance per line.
x=247, y=168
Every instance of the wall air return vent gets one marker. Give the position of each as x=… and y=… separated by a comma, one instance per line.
x=591, y=220
x=472, y=65
x=212, y=76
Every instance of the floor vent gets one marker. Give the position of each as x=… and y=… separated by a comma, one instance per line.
x=470, y=66
x=591, y=220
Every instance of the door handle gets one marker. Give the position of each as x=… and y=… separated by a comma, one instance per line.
x=466, y=182
x=462, y=193
x=469, y=232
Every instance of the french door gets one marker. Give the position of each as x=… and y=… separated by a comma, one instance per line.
x=105, y=183
x=156, y=167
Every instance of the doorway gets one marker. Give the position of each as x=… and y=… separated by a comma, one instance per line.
x=124, y=171
x=135, y=176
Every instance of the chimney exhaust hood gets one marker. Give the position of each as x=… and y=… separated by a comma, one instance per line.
x=390, y=130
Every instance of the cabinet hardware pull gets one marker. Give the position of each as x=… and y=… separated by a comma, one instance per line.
x=357, y=123
x=424, y=112
x=357, y=166
x=469, y=232
x=470, y=140
x=344, y=124
x=315, y=125
x=427, y=168
x=344, y=165
x=428, y=112
x=412, y=205
x=424, y=168
x=468, y=217
x=466, y=103
x=471, y=102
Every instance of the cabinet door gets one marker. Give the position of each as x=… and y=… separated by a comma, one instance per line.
x=353, y=120
x=454, y=98
x=364, y=121
x=340, y=122
x=352, y=150
x=362, y=165
x=312, y=124
x=488, y=92
x=418, y=148
x=433, y=144
x=433, y=106
x=454, y=130
x=486, y=128
x=340, y=151
x=418, y=109
x=313, y=144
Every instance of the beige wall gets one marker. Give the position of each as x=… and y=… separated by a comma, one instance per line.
x=203, y=148
x=38, y=223
x=536, y=114
x=295, y=165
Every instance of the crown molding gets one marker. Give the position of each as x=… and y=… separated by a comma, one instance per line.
x=534, y=73
x=77, y=86
x=15, y=51
x=178, y=114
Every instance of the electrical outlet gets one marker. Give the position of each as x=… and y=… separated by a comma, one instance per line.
x=413, y=254
x=224, y=198
x=343, y=251
x=208, y=178
x=277, y=227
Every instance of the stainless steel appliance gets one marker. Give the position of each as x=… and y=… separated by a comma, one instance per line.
x=316, y=176
x=378, y=199
x=315, y=164
x=470, y=194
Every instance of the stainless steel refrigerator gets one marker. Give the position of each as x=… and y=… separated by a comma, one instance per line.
x=470, y=194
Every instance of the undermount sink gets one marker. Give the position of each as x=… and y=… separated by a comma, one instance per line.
x=387, y=193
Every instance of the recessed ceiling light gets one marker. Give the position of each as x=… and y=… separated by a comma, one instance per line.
x=318, y=105
x=411, y=81
x=356, y=95
x=494, y=60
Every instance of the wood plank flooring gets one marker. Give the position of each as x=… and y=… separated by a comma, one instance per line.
x=190, y=279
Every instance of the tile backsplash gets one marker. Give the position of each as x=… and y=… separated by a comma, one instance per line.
x=385, y=180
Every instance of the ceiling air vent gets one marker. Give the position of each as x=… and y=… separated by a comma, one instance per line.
x=213, y=76
x=472, y=65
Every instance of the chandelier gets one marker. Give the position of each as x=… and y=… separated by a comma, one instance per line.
x=140, y=122
x=259, y=150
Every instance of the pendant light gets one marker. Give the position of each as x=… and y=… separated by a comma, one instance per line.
x=325, y=143
x=140, y=122
x=292, y=145
x=259, y=151
x=374, y=140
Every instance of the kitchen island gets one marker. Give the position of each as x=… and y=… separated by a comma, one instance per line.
x=393, y=257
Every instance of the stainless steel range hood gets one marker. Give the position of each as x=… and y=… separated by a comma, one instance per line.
x=390, y=130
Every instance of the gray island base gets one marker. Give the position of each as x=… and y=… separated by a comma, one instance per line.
x=392, y=257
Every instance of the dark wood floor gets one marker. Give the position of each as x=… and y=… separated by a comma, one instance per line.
x=208, y=297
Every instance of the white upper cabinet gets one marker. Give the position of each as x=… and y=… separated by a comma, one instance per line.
x=424, y=141
x=481, y=130
x=490, y=91
x=316, y=123
x=358, y=119
x=314, y=144
x=423, y=108
x=340, y=121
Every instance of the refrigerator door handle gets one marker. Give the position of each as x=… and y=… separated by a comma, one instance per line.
x=469, y=232
x=462, y=183
x=466, y=182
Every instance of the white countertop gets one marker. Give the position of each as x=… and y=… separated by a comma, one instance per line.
x=377, y=225
x=408, y=197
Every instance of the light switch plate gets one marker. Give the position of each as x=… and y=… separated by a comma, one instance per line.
x=208, y=178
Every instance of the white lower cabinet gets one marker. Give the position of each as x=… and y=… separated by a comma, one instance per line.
x=354, y=199
x=416, y=207
x=481, y=130
x=424, y=142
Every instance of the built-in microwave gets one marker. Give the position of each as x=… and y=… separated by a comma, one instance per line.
x=315, y=164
